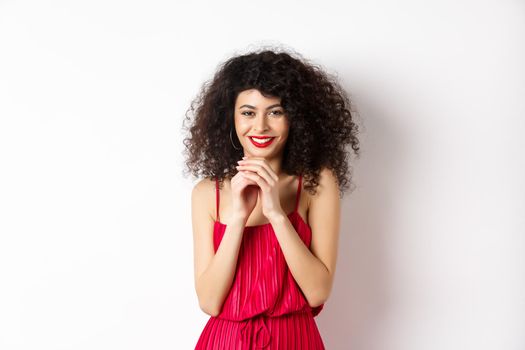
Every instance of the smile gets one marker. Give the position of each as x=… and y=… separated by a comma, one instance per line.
x=261, y=142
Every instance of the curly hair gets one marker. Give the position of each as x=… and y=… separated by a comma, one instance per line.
x=317, y=108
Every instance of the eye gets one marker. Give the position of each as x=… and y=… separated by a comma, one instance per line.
x=276, y=112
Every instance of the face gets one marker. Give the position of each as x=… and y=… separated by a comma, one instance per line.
x=257, y=115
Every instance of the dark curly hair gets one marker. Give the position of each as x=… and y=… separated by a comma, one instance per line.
x=317, y=108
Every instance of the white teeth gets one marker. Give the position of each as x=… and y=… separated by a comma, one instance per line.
x=261, y=140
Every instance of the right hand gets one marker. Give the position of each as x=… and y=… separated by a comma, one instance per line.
x=244, y=194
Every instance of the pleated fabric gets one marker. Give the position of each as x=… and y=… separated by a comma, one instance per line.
x=265, y=308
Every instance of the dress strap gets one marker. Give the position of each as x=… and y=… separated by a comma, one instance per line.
x=217, y=199
x=298, y=193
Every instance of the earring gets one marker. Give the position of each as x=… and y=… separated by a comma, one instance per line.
x=231, y=129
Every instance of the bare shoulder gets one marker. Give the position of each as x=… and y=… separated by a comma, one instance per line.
x=204, y=185
x=328, y=187
x=328, y=178
x=324, y=205
x=202, y=194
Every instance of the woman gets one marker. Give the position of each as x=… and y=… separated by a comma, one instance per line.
x=265, y=240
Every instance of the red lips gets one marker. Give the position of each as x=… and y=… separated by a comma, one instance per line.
x=261, y=145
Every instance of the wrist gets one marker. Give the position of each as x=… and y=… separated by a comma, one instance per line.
x=277, y=217
x=236, y=220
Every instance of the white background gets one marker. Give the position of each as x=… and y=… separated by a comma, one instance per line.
x=95, y=226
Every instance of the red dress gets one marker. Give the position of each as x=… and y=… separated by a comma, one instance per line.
x=265, y=308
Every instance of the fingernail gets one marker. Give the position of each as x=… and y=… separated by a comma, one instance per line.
x=244, y=157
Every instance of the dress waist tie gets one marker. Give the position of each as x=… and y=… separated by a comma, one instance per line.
x=255, y=323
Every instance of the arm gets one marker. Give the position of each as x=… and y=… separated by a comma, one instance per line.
x=314, y=270
x=214, y=271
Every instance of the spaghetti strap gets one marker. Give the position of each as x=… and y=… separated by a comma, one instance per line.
x=217, y=200
x=298, y=194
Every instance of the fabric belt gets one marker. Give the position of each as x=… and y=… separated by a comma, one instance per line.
x=261, y=335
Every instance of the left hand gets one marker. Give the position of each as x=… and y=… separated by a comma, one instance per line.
x=258, y=170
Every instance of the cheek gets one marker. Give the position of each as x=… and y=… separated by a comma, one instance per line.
x=284, y=131
x=281, y=127
x=241, y=126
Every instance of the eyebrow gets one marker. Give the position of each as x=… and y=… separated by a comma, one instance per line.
x=252, y=107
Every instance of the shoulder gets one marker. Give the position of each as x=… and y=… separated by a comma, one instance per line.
x=326, y=199
x=203, y=194
x=203, y=186
x=327, y=185
x=327, y=178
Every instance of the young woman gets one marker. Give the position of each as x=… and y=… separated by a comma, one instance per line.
x=268, y=136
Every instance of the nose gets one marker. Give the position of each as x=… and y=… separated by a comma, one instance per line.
x=260, y=123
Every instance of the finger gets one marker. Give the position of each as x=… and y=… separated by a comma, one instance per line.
x=258, y=179
x=260, y=171
x=263, y=163
x=246, y=180
x=242, y=181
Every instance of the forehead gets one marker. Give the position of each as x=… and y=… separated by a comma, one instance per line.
x=255, y=98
